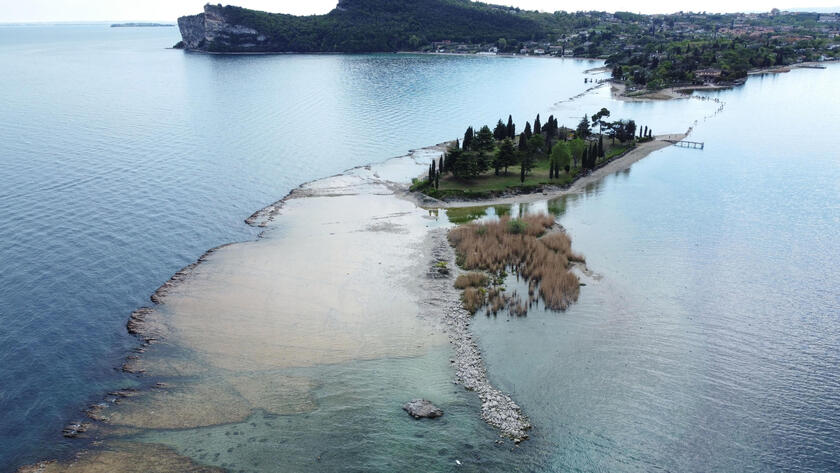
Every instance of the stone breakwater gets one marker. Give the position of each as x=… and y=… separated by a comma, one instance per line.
x=497, y=408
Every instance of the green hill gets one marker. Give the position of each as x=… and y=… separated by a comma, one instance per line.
x=362, y=26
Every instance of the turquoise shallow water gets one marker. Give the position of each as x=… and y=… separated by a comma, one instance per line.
x=711, y=343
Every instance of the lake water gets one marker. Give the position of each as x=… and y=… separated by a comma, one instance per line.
x=710, y=343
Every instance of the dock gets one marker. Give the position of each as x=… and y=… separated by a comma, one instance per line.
x=687, y=144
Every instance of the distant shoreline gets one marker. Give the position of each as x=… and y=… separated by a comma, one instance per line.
x=619, y=89
x=142, y=25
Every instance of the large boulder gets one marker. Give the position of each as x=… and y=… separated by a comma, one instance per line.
x=421, y=408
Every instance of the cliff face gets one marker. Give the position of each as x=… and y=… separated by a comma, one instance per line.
x=211, y=31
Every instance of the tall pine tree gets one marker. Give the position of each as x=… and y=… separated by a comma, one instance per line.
x=511, y=128
x=537, y=125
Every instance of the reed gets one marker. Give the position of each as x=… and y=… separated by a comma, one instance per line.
x=472, y=279
x=474, y=298
x=523, y=246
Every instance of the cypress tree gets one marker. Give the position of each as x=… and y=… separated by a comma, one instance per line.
x=500, y=131
x=537, y=125
x=506, y=155
x=468, y=138
x=440, y=165
x=437, y=180
x=522, y=171
x=431, y=174
x=528, y=133
x=511, y=128
x=601, y=146
x=523, y=142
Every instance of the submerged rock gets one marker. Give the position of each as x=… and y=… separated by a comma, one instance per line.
x=75, y=429
x=421, y=408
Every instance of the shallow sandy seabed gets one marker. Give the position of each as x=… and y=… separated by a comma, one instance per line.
x=330, y=282
x=328, y=286
x=124, y=457
x=215, y=401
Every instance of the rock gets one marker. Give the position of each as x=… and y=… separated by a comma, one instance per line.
x=75, y=429
x=421, y=408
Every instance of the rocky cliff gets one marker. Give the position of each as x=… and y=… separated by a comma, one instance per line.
x=213, y=31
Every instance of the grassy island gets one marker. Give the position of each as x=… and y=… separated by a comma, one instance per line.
x=490, y=163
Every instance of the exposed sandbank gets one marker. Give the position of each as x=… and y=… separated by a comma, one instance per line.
x=618, y=91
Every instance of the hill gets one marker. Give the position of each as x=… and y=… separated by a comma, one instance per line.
x=644, y=51
x=361, y=26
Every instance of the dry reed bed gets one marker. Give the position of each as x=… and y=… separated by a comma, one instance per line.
x=523, y=246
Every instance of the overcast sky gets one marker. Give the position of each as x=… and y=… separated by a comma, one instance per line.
x=169, y=10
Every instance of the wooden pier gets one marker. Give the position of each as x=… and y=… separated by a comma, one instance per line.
x=687, y=144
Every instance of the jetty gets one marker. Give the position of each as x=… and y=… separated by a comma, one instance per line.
x=687, y=144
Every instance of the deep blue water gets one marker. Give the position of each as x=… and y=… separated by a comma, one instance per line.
x=122, y=161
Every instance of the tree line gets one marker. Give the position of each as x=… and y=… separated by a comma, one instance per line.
x=503, y=148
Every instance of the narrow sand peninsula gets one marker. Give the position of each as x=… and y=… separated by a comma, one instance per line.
x=618, y=91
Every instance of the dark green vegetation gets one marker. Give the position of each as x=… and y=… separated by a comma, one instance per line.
x=488, y=163
x=385, y=25
x=685, y=49
x=645, y=50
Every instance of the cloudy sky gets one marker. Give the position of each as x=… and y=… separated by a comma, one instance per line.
x=169, y=10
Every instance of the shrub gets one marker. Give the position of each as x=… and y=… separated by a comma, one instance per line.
x=474, y=298
x=471, y=279
x=517, y=226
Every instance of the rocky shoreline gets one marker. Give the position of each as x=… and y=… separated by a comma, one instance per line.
x=498, y=409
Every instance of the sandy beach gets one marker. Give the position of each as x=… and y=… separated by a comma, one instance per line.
x=618, y=91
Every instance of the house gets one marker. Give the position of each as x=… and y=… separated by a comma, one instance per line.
x=707, y=74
